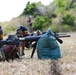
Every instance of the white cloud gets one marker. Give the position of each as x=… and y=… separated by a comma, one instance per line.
x=13, y=8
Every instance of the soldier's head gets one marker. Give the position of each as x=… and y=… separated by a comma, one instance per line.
x=30, y=17
x=22, y=30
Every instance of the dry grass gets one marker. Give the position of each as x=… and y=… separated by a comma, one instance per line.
x=68, y=60
x=26, y=66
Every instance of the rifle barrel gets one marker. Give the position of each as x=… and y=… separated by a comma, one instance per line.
x=61, y=36
x=2, y=42
x=32, y=38
x=28, y=39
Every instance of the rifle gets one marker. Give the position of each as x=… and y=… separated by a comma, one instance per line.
x=16, y=41
x=56, y=35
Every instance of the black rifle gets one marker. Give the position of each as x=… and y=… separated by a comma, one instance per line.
x=57, y=36
x=31, y=39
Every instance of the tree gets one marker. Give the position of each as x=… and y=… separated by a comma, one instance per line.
x=31, y=9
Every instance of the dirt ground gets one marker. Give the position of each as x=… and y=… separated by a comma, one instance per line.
x=27, y=66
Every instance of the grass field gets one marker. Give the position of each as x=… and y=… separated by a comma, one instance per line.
x=27, y=66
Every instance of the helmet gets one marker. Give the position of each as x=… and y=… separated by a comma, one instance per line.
x=30, y=16
x=22, y=30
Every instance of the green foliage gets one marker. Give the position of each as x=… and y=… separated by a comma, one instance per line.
x=62, y=3
x=68, y=19
x=55, y=15
x=30, y=9
x=41, y=22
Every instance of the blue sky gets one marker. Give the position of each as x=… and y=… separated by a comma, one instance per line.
x=13, y=8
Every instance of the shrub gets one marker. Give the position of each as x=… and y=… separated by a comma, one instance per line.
x=41, y=22
x=54, y=15
x=68, y=19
